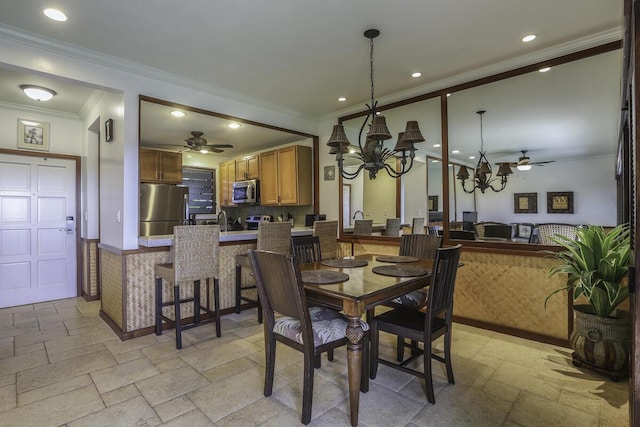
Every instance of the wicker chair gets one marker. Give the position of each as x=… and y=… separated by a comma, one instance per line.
x=417, y=226
x=195, y=257
x=425, y=327
x=392, y=227
x=272, y=236
x=311, y=330
x=363, y=227
x=547, y=231
x=327, y=231
x=306, y=249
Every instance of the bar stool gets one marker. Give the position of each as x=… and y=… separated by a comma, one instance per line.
x=195, y=256
x=272, y=236
x=327, y=231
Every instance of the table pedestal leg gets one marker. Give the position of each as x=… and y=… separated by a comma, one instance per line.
x=354, y=363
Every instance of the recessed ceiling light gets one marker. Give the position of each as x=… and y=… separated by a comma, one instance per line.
x=455, y=151
x=472, y=157
x=415, y=75
x=448, y=95
x=38, y=93
x=436, y=145
x=342, y=99
x=55, y=14
x=529, y=37
x=177, y=113
x=233, y=125
x=435, y=161
x=545, y=69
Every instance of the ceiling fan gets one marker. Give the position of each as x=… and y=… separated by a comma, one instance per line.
x=198, y=143
x=525, y=163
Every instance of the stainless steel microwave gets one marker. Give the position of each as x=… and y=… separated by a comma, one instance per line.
x=246, y=191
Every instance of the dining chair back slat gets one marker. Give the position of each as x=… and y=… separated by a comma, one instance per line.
x=422, y=246
x=306, y=249
x=327, y=231
x=392, y=227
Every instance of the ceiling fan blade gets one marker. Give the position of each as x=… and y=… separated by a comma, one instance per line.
x=220, y=145
x=541, y=163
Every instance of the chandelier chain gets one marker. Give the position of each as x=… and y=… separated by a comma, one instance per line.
x=481, y=137
x=371, y=65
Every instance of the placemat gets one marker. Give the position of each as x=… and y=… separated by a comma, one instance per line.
x=396, y=258
x=324, y=277
x=400, y=270
x=345, y=262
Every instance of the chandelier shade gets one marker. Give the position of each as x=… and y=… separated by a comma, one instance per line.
x=374, y=155
x=483, y=177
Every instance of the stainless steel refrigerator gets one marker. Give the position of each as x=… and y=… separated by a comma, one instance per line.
x=161, y=207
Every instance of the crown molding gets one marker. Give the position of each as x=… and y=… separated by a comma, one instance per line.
x=38, y=110
x=93, y=57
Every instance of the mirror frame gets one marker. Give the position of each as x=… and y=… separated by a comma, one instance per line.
x=442, y=93
x=315, y=138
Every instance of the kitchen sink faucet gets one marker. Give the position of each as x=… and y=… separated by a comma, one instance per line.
x=224, y=225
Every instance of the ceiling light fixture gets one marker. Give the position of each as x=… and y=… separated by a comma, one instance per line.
x=483, y=177
x=373, y=155
x=233, y=125
x=529, y=38
x=544, y=70
x=38, y=93
x=177, y=113
x=455, y=151
x=55, y=14
x=416, y=75
x=342, y=99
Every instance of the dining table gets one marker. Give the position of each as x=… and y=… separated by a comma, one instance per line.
x=359, y=284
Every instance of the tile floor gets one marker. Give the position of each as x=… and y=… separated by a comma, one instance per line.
x=60, y=364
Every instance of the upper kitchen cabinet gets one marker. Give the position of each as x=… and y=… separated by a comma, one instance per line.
x=160, y=166
x=227, y=177
x=285, y=176
x=248, y=168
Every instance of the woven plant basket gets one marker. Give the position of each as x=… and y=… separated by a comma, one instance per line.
x=602, y=342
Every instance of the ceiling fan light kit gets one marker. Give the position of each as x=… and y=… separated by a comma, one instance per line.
x=198, y=143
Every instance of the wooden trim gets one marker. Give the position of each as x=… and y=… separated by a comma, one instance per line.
x=512, y=331
x=316, y=175
x=444, y=125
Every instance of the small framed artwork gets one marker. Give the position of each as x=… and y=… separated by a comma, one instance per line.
x=433, y=203
x=525, y=202
x=33, y=135
x=560, y=202
x=330, y=173
x=108, y=130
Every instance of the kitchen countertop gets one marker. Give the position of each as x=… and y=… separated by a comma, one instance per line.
x=225, y=236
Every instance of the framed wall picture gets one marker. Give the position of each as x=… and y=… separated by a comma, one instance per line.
x=330, y=173
x=433, y=203
x=525, y=202
x=560, y=202
x=33, y=135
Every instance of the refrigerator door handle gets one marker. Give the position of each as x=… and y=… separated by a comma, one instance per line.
x=186, y=221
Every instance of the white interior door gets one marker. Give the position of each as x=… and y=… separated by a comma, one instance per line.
x=37, y=229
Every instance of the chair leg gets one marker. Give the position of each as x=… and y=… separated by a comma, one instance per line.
x=307, y=388
x=216, y=305
x=196, y=301
x=178, y=323
x=369, y=315
x=158, y=306
x=400, y=349
x=330, y=355
x=238, y=286
x=447, y=355
x=428, y=379
x=270, y=356
x=317, y=361
x=373, y=357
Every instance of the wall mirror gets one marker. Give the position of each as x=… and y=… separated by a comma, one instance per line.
x=566, y=116
x=162, y=130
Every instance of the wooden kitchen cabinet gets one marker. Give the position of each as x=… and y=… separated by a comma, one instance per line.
x=160, y=166
x=227, y=175
x=285, y=176
x=248, y=168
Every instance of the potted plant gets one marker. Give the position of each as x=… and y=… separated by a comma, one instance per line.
x=596, y=264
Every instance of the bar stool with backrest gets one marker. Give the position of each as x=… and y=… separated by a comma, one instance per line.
x=195, y=257
x=311, y=330
x=417, y=226
x=272, y=236
x=392, y=227
x=423, y=327
x=327, y=231
x=363, y=227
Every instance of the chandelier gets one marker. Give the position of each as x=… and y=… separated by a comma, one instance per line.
x=483, y=177
x=373, y=155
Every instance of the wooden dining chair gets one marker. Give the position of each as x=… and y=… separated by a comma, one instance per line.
x=392, y=227
x=423, y=327
x=306, y=249
x=327, y=231
x=363, y=227
x=310, y=330
x=417, y=225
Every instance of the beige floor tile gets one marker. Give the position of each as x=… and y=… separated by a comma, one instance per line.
x=525, y=378
x=72, y=342
x=170, y=364
x=54, y=389
x=335, y=417
x=231, y=368
x=207, y=358
x=533, y=410
x=33, y=314
x=257, y=413
x=95, y=348
x=118, y=347
x=166, y=350
x=17, y=330
x=129, y=413
x=193, y=418
x=501, y=390
x=171, y=384
x=6, y=347
x=56, y=410
x=83, y=322
x=40, y=337
x=45, y=326
x=121, y=394
x=7, y=397
x=23, y=362
x=174, y=408
x=123, y=374
x=581, y=401
x=59, y=371
x=128, y=357
x=7, y=379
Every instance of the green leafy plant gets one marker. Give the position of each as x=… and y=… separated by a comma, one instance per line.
x=596, y=264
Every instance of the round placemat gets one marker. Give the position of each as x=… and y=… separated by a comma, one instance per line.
x=396, y=258
x=400, y=270
x=345, y=262
x=323, y=277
